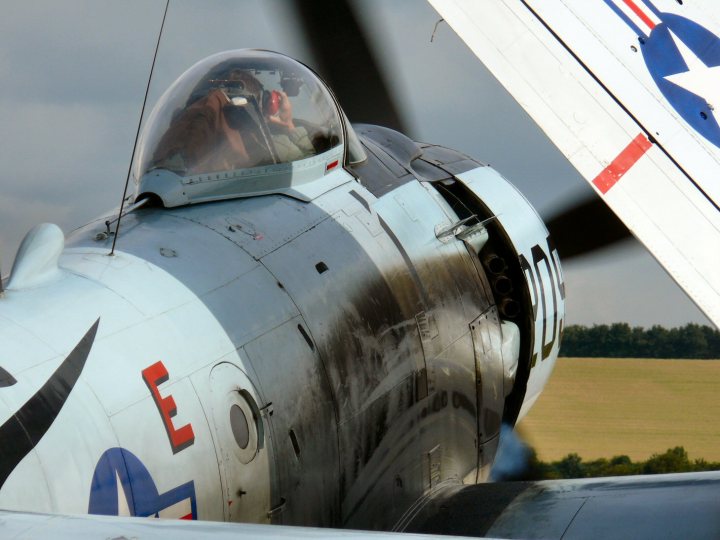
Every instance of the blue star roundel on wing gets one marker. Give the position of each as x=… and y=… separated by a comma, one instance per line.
x=684, y=61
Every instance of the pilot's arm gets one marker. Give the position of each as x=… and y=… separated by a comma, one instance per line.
x=200, y=140
x=291, y=142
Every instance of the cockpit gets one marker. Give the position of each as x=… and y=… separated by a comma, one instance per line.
x=241, y=123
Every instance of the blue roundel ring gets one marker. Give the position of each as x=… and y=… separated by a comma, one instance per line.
x=120, y=474
x=663, y=58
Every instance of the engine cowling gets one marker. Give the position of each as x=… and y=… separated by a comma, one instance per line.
x=518, y=257
x=528, y=286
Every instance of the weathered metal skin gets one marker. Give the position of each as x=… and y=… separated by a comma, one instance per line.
x=362, y=345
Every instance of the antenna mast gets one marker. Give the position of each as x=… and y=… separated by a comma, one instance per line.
x=137, y=133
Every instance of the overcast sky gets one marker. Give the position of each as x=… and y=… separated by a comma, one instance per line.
x=74, y=73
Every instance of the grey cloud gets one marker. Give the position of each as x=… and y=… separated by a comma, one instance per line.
x=625, y=284
x=76, y=51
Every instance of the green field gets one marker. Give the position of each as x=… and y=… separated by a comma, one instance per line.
x=599, y=407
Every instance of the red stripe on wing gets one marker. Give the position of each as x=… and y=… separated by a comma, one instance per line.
x=622, y=163
x=640, y=13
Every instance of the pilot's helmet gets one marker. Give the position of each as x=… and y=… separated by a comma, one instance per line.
x=240, y=123
x=232, y=81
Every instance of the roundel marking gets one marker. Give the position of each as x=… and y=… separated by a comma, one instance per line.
x=677, y=46
x=123, y=486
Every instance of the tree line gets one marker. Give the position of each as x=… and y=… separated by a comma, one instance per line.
x=620, y=340
x=572, y=466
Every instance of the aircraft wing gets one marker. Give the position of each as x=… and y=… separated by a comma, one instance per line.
x=629, y=91
x=653, y=507
x=16, y=525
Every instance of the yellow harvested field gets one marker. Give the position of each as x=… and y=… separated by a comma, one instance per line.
x=603, y=407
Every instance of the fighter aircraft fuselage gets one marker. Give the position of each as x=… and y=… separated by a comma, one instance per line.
x=325, y=357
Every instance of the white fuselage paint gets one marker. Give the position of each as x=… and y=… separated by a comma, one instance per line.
x=111, y=405
x=224, y=304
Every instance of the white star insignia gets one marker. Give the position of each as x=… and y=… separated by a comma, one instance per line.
x=123, y=508
x=701, y=80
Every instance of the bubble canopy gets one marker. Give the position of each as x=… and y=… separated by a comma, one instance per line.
x=241, y=123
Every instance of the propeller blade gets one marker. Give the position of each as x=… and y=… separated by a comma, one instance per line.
x=586, y=227
x=513, y=460
x=344, y=58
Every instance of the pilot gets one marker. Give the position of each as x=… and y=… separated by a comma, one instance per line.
x=200, y=139
x=291, y=142
x=234, y=123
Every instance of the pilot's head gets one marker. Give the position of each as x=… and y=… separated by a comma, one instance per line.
x=238, y=83
x=241, y=84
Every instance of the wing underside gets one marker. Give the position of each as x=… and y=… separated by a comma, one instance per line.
x=625, y=89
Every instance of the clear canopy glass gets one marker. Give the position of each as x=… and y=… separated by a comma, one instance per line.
x=236, y=112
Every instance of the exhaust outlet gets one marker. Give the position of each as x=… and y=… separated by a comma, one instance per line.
x=502, y=285
x=509, y=308
x=495, y=264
